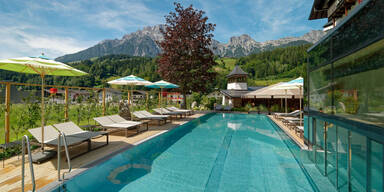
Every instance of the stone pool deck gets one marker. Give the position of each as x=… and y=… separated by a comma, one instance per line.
x=46, y=173
x=290, y=132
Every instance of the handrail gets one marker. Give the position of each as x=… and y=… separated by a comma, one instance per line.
x=62, y=136
x=26, y=139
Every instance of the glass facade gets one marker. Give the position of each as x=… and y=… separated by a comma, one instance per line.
x=345, y=89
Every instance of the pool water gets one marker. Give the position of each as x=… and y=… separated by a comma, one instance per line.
x=216, y=152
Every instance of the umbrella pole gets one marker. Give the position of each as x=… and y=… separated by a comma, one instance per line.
x=131, y=100
x=128, y=96
x=42, y=111
x=301, y=117
x=161, y=100
x=286, y=101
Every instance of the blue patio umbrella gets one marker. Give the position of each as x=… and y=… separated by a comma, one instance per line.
x=162, y=85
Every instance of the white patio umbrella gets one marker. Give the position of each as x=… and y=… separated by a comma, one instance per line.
x=294, y=84
x=131, y=81
x=43, y=66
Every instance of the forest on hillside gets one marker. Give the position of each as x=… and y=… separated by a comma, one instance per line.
x=270, y=66
x=279, y=63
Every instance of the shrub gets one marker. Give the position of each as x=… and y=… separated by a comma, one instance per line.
x=275, y=108
x=208, y=102
x=262, y=108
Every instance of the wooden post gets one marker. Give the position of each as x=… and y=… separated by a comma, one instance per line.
x=66, y=104
x=159, y=99
x=129, y=97
x=7, y=110
x=42, y=111
x=103, y=101
x=146, y=101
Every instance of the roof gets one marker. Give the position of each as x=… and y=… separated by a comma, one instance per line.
x=234, y=93
x=270, y=91
x=318, y=10
x=255, y=88
x=239, y=93
x=237, y=71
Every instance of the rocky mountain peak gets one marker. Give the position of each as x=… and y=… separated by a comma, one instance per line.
x=143, y=43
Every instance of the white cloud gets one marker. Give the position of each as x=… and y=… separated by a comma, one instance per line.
x=17, y=42
x=122, y=15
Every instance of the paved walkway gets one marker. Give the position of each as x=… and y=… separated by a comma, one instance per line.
x=46, y=173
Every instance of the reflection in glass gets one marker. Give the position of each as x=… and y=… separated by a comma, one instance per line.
x=359, y=85
x=358, y=162
x=320, y=146
x=331, y=153
x=376, y=165
x=342, y=159
x=321, y=90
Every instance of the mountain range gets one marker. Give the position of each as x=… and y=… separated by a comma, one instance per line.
x=143, y=43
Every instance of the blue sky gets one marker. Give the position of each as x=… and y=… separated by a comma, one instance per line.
x=61, y=27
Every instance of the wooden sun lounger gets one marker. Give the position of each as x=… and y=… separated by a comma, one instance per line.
x=218, y=107
x=119, y=119
x=107, y=123
x=144, y=115
x=51, y=139
x=295, y=113
x=72, y=130
x=175, y=109
x=163, y=111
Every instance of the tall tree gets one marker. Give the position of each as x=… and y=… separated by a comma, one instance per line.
x=186, y=58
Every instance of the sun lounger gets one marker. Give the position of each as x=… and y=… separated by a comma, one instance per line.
x=300, y=130
x=188, y=112
x=107, y=123
x=148, y=114
x=119, y=119
x=142, y=116
x=218, y=107
x=51, y=139
x=163, y=111
x=70, y=129
x=295, y=113
x=228, y=108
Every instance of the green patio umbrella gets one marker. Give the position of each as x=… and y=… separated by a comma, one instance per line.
x=162, y=85
x=43, y=66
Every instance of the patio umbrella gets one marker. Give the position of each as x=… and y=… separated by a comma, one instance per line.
x=161, y=85
x=293, y=84
x=43, y=66
x=131, y=81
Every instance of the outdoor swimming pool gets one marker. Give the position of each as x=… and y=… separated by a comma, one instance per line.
x=216, y=152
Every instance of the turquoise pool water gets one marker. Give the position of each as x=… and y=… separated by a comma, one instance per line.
x=217, y=152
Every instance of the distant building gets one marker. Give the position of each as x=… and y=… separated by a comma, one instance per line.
x=236, y=87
